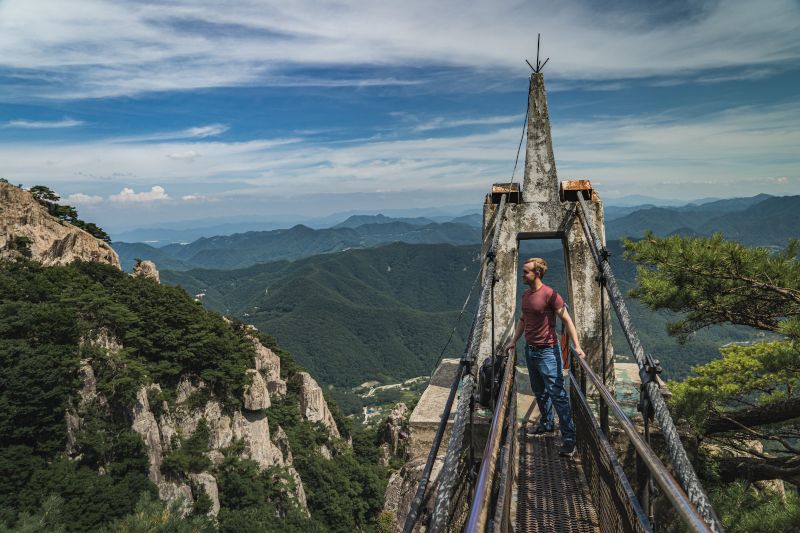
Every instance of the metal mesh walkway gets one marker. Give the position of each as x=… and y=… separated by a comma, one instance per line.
x=552, y=493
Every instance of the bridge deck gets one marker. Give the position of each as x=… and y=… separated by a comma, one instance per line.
x=552, y=495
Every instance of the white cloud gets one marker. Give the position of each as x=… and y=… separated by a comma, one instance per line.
x=204, y=131
x=196, y=198
x=102, y=48
x=85, y=199
x=126, y=195
x=189, y=155
x=42, y=124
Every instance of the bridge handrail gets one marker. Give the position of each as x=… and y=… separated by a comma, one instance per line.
x=479, y=509
x=680, y=460
x=668, y=484
x=467, y=359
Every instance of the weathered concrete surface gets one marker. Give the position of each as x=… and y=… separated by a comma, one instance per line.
x=540, y=184
x=424, y=420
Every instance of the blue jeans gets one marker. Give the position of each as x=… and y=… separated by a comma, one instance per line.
x=547, y=382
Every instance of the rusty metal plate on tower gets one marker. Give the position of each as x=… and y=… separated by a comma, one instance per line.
x=569, y=189
x=510, y=189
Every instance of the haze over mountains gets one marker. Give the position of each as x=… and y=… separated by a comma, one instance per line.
x=244, y=249
x=762, y=220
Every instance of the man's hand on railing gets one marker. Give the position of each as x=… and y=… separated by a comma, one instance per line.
x=579, y=352
x=509, y=347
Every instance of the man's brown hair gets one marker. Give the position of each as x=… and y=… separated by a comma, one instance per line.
x=539, y=266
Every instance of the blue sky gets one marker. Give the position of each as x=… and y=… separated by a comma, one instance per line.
x=146, y=112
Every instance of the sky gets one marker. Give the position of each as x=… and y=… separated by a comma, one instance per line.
x=144, y=113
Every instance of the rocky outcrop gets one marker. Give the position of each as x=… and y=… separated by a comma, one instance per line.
x=269, y=364
x=88, y=397
x=208, y=483
x=163, y=426
x=50, y=240
x=256, y=397
x=249, y=428
x=395, y=432
x=281, y=440
x=403, y=485
x=146, y=269
x=312, y=402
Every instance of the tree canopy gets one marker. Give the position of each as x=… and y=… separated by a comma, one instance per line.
x=746, y=400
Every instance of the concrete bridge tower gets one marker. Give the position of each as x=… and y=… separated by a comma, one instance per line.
x=538, y=212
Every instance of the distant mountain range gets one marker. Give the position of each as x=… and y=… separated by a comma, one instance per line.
x=244, y=249
x=762, y=220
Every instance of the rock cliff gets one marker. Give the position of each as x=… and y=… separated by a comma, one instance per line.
x=51, y=241
x=163, y=425
x=164, y=419
x=394, y=433
x=312, y=402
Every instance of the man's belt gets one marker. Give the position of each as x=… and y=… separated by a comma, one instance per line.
x=541, y=346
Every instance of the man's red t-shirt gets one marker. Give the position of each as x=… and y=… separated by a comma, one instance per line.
x=539, y=315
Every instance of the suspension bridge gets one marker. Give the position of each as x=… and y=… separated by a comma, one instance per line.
x=485, y=473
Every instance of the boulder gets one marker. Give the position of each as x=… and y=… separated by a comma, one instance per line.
x=146, y=269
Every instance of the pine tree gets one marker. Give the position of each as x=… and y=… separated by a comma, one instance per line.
x=749, y=394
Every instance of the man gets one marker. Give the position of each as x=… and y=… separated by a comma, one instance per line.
x=540, y=305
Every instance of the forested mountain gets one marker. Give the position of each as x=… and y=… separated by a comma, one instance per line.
x=127, y=406
x=354, y=316
x=245, y=249
x=355, y=221
x=384, y=313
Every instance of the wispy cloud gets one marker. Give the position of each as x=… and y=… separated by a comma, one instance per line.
x=441, y=123
x=189, y=156
x=128, y=195
x=197, y=132
x=106, y=48
x=745, y=149
x=42, y=124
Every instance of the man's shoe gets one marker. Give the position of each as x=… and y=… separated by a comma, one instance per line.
x=567, y=449
x=539, y=429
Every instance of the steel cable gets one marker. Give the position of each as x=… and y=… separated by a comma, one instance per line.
x=683, y=467
x=455, y=448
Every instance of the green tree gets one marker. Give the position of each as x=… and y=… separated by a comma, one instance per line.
x=750, y=393
x=44, y=194
x=154, y=516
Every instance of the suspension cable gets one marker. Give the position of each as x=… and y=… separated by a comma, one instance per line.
x=469, y=295
x=521, y=138
x=680, y=460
